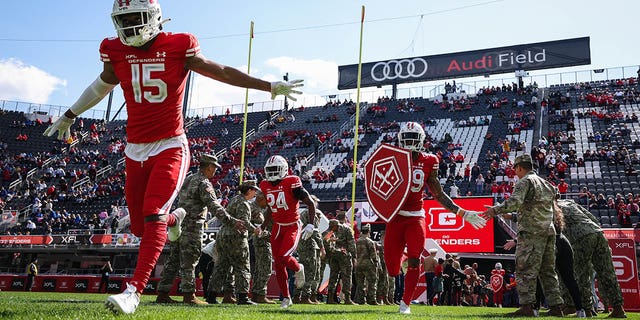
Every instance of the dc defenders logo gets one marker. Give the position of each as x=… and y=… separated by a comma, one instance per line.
x=386, y=180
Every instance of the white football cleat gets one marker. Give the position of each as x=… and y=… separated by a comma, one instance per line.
x=581, y=314
x=299, y=277
x=286, y=303
x=404, y=308
x=174, y=231
x=125, y=302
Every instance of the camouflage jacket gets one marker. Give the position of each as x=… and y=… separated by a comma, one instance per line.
x=367, y=253
x=197, y=196
x=578, y=221
x=533, y=199
x=240, y=209
x=345, y=240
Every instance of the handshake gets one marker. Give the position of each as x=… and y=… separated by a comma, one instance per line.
x=476, y=219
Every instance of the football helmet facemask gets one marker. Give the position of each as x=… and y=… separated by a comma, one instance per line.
x=276, y=168
x=147, y=26
x=411, y=136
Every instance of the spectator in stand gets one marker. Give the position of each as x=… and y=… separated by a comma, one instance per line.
x=155, y=124
x=479, y=184
x=563, y=186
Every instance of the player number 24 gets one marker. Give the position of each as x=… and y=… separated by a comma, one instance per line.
x=138, y=82
x=277, y=201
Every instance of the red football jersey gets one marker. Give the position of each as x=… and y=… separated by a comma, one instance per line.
x=420, y=171
x=153, y=82
x=280, y=198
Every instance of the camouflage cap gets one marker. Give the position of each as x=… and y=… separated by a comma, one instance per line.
x=523, y=158
x=366, y=228
x=333, y=222
x=250, y=184
x=210, y=159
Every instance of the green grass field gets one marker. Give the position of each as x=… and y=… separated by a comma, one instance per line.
x=39, y=305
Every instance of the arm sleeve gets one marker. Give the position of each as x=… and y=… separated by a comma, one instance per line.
x=517, y=198
x=95, y=92
x=208, y=196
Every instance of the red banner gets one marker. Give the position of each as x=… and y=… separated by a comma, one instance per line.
x=452, y=233
x=623, y=253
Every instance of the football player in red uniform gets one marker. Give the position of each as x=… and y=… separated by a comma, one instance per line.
x=151, y=67
x=407, y=228
x=284, y=193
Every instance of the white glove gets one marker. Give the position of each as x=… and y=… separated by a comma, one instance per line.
x=307, y=232
x=286, y=88
x=475, y=219
x=61, y=125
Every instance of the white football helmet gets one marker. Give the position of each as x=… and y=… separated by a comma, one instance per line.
x=276, y=168
x=498, y=265
x=150, y=21
x=411, y=136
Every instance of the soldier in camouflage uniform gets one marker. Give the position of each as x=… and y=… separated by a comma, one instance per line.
x=328, y=242
x=262, y=250
x=386, y=285
x=309, y=251
x=342, y=260
x=195, y=199
x=366, y=267
x=533, y=198
x=233, y=246
x=591, y=253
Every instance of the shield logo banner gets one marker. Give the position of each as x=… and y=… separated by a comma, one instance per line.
x=387, y=180
x=496, y=282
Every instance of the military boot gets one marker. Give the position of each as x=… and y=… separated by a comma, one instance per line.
x=347, y=299
x=190, y=298
x=555, y=311
x=617, y=312
x=526, y=310
x=305, y=300
x=314, y=299
x=243, y=299
x=228, y=298
x=164, y=297
x=331, y=299
x=212, y=297
x=261, y=298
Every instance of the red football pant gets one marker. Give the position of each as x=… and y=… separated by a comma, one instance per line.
x=284, y=241
x=404, y=232
x=150, y=188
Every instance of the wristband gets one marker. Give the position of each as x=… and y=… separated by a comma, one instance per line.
x=458, y=212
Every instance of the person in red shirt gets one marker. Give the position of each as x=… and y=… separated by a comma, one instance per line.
x=152, y=67
x=406, y=229
x=563, y=187
x=284, y=193
x=561, y=167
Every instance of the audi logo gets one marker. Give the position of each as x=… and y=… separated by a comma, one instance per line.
x=402, y=69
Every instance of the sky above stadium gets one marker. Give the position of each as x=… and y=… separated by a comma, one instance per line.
x=49, y=49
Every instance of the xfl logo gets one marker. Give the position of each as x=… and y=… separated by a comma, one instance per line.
x=444, y=220
x=623, y=267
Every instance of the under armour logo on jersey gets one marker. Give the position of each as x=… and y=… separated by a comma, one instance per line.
x=124, y=3
x=162, y=54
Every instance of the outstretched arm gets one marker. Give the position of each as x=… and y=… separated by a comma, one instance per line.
x=235, y=77
x=436, y=190
x=440, y=195
x=226, y=74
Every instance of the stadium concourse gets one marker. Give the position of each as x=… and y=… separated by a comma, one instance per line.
x=584, y=136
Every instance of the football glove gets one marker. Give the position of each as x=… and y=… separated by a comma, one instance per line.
x=474, y=219
x=62, y=126
x=307, y=232
x=286, y=88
